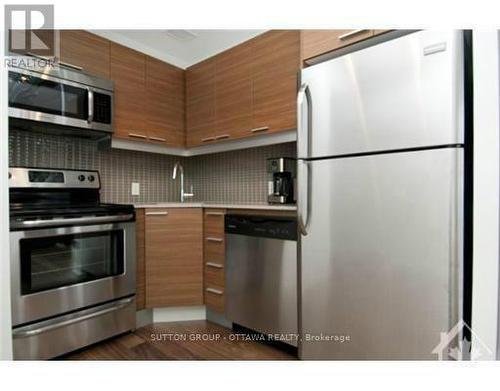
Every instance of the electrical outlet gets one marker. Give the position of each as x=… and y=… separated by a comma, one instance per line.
x=136, y=188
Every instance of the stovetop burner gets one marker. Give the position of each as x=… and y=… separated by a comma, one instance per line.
x=50, y=193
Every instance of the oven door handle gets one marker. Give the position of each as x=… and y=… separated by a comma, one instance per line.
x=31, y=332
x=76, y=221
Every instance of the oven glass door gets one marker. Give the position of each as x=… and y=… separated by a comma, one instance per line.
x=47, y=96
x=59, y=261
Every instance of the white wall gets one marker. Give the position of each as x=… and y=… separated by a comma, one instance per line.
x=486, y=189
x=5, y=317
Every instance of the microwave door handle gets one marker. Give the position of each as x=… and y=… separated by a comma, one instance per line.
x=90, y=101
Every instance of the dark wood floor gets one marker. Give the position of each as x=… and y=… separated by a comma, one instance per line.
x=181, y=341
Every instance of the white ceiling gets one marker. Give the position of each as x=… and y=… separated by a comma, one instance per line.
x=159, y=44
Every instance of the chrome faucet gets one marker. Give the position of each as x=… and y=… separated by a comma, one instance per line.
x=178, y=166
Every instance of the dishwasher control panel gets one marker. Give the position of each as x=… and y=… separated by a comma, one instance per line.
x=273, y=227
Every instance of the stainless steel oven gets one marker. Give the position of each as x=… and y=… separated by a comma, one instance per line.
x=72, y=262
x=62, y=97
x=57, y=270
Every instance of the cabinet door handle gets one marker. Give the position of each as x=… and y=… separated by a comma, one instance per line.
x=214, y=265
x=206, y=139
x=261, y=129
x=137, y=135
x=218, y=240
x=214, y=213
x=71, y=66
x=215, y=291
x=222, y=136
x=163, y=213
x=351, y=34
x=157, y=139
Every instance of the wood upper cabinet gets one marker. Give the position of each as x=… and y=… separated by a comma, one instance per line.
x=128, y=71
x=174, y=257
x=244, y=91
x=317, y=42
x=88, y=51
x=200, y=103
x=233, y=92
x=275, y=65
x=164, y=103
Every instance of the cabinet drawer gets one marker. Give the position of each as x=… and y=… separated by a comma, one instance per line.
x=214, y=223
x=214, y=273
x=214, y=297
x=214, y=251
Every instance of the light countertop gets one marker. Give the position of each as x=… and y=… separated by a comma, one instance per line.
x=215, y=205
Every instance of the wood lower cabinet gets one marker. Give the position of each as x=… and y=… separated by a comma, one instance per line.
x=317, y=42
x=164, y=103
x=128, y=71
x=87, y=51
x=214, y=259
x=140, y=293
x=275, y=65
x=200, y=103
x=174, y=257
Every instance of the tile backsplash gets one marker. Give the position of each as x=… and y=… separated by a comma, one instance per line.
x=236, y=176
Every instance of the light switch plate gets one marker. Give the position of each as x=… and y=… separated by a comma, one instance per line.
x=136, y=189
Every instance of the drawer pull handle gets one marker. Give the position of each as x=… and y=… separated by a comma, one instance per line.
x=164, y=213
x=215, y=265
x=261, y=129
x=214, y=214
x=137, y=135
x=157, y=139
x=71, y=66
x=222, y=136
x=204, y=140
x=215, y=291
x=218, y=240
x=351, y=34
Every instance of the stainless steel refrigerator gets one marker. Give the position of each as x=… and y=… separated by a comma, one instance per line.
x=381, y=199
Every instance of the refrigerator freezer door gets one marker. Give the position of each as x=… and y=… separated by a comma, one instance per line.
x=380, y=263
x=403, y=93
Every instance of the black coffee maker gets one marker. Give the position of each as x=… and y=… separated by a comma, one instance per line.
x=281, y=185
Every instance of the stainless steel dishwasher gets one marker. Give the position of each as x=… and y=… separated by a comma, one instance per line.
x=261, y=274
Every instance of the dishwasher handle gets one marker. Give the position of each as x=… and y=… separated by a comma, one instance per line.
x=273, y=227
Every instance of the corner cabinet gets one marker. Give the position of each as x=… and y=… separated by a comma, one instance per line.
x=165, y=103
x=200, y=103
x=174, y=257
x=149, y=98
x=245, y=91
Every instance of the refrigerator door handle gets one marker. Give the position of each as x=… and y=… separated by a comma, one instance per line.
x=303, y=195
x=303, y=121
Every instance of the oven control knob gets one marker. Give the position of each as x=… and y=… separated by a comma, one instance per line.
x=81, y=177
x=91, y=178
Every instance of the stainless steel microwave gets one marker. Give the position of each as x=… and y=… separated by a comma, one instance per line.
x=62, y=97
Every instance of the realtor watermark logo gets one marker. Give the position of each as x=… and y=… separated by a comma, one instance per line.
x=30, y=38
x=454, y=346
x=29, y=29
